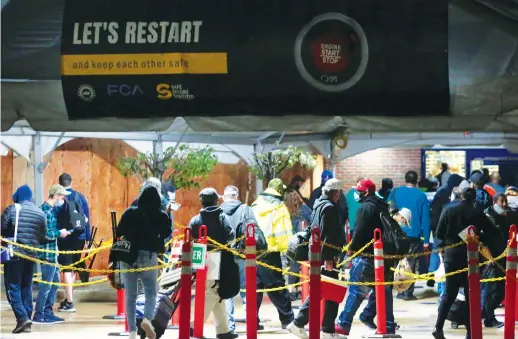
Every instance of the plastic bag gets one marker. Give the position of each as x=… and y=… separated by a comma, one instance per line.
x=440, y=274
x=403, y=273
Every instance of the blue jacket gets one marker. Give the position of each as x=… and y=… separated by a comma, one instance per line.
x=417, y=202
x=83, y=205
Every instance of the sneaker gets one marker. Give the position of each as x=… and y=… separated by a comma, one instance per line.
x=22, y=326
x=369, y=323
x=297, y=331
x=324, y=335
x=57, y=320
x=260, y=327
x=406, y=297
x=27, y=329
x=147, y=327
x=68, y=307
x=494, y=323
x=438, y=334
x=341, y=330
x=229, y=335
x=38, y=319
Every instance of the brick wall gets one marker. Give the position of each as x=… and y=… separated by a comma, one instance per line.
x=378, y=164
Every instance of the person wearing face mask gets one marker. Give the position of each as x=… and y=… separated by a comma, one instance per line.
x=44, y=314
x=493, y=293
x=325, y=218
x=511, y=193
x=367, y=220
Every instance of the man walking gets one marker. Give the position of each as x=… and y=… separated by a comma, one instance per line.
x=325, y=218
x=44, y=314
x=274, y=220
x=75, y=202
x=218, y=228
x=367, y=220
x=237, y=213
x=416, y=201
x=26, y=224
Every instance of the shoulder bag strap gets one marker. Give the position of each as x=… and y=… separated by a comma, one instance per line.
x=17, y=207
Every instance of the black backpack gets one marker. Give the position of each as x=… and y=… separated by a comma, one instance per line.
x=76, y=218
x=229, y=282
x=246, y=219
x=395, y=240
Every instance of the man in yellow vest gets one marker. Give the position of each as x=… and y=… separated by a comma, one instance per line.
x=274, y=220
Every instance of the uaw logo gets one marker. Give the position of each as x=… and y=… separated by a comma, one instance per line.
x=86, y=93
x=122, y=246
x=331, y=52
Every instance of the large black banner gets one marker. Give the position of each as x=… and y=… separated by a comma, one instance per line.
x=134, y=58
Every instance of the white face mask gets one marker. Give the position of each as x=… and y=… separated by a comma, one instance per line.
x=60, y=202
x=498, y=209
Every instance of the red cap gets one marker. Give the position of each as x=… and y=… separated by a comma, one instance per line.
x=366, y=185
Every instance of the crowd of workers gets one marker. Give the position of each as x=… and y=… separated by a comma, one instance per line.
x=278, y=213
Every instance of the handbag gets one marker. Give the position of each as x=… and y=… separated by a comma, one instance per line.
x=7, y=253
x=123, y=251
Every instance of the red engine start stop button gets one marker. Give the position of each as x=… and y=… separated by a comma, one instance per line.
x=331, y=52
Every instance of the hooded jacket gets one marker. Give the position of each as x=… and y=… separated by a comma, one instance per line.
x=217, y=223
x=32, y=223
x=367, y=220
x=236, y=212
x=455, y=218
x=441, y=198
x=146, y=226
x=327, y=220
x=273, y=218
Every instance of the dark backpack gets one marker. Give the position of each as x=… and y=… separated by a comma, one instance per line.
x=229, y=282
x=395, y=241
x=76, y=218
x=260, y=239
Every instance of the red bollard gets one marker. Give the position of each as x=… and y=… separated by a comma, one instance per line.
x=379, y=277
x=510, y=285
x=121, y=314
x=304, y=271
x=201, y=282
x=121, y=307
x=315, y=261
x=186, y=285
x=475, y=313
x=251, y=282
x=175, y=255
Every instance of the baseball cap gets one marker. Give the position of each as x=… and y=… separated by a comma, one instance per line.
x=405, y=213
x=327, y=174
x=332, y=184
x=58, y=189
x=277, y=185
x=365, y=185
x=476, y=178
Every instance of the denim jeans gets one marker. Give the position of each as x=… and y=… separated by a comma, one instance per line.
x=46, y=292
x=358, y=293
x=18, y=283
x=229, y=303
x=149, y=280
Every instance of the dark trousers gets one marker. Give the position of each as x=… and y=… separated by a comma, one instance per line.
x=493, y=293
x=267, y=278
x=453, y=283
x=294, y=268
x=416, y=246
x=18, y=285
x=330, y=312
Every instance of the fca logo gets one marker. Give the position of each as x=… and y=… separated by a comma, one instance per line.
x=124, y=90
